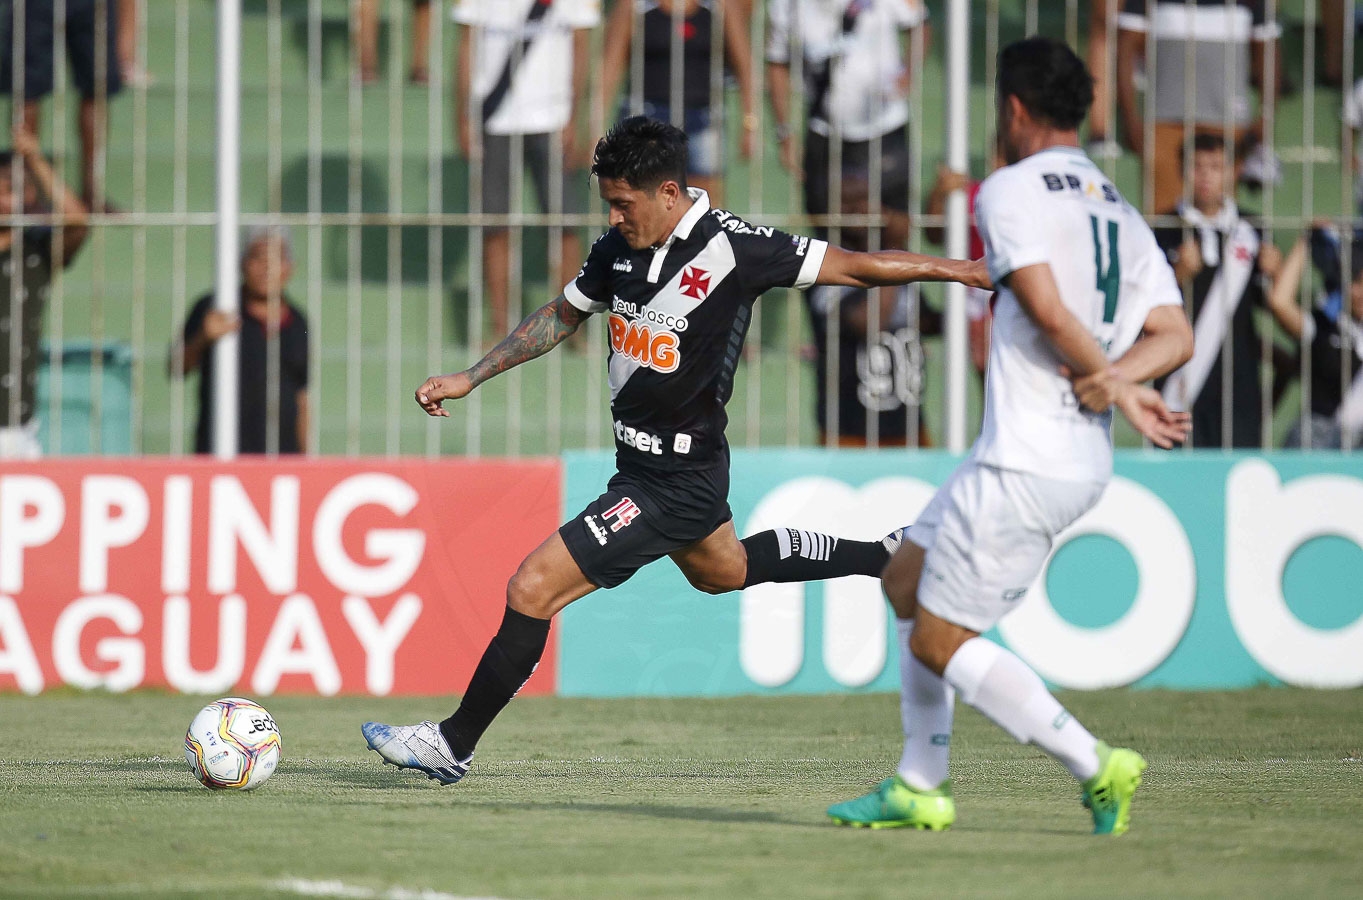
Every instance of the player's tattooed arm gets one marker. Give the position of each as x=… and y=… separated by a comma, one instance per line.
x=541, y=331
x=888, y=267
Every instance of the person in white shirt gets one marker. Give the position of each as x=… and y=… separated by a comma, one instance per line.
x=1081, y=283
x=857, y=82
x=522, y=69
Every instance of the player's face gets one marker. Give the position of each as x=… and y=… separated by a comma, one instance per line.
x=1011, y=112
x=643, y=218
x=1211, y=178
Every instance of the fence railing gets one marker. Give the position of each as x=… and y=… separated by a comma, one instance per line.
x=408, y=254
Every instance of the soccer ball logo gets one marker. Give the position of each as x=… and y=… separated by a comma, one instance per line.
x=233, y=743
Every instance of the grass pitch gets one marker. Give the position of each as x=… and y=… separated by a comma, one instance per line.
x=1257, y=793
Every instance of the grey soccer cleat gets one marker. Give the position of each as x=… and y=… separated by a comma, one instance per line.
x=421, y=747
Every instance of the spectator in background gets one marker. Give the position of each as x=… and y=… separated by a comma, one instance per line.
x=977, y=300
x=1353, y=119
x=878, y=380
x=1101, y=143
x=129, y=13
x=857, y=86
x=367, y=41
x=1228, y=43
x=92, y=48
x=22, y=311
x=1215, y=253
x=1333, y=22
x=266, y=266
x=1334, y=338
x=701, y=124
x=522, y=69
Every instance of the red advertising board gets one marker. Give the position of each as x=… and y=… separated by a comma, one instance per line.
x=259, y=577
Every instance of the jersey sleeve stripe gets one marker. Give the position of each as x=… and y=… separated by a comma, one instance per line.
x=809, y=272
x=575, y=296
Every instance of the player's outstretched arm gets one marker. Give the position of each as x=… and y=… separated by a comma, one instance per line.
x=541, y=331
x=888, y=267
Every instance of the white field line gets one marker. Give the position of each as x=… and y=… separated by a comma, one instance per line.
x=308, y=888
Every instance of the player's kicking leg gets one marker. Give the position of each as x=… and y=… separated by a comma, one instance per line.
x=546, y=581
x=721, y=562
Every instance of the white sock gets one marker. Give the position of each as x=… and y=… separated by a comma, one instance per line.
x=1006, y=690
x=926, y=704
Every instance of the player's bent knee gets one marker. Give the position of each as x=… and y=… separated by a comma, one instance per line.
x=526, y=593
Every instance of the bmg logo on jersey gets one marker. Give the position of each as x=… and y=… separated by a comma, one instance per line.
x=653, y=347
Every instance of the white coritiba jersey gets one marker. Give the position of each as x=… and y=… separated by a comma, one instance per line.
x=1056, y=207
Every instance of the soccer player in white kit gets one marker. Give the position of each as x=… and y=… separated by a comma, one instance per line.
x=1087, y=311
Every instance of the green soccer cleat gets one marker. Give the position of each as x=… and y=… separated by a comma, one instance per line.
x=893, y=804
x=1108, y=794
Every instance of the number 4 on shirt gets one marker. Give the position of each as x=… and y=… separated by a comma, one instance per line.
x=1109, y=277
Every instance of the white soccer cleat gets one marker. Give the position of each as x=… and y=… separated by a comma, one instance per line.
x=421, y=747
x=892, y=540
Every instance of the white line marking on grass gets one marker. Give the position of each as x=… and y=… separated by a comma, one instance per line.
x=309, y=888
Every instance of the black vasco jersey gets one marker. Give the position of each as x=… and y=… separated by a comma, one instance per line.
x=677, y=317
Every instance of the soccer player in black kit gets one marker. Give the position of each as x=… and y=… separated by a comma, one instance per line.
x=678, y=281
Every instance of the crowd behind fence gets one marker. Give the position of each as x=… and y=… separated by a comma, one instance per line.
x=413, y=181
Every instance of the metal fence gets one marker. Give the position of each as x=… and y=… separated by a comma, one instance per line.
x=392, y=238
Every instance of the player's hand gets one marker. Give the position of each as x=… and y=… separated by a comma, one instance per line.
x=1144, y=408
x=1098, y=391
x=976, y=275
x=439, y=388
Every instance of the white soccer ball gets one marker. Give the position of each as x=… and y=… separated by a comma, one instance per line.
x=233, y=743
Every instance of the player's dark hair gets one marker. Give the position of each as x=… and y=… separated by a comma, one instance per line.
x=1050, y=80
x=6, y=159
x=643, y=153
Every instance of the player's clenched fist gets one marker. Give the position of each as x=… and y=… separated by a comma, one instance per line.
x=439, y=388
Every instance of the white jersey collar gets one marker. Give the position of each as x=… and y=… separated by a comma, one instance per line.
x=700, y=205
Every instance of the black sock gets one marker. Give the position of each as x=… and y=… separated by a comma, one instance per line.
x=509, y=660
x=789, y=554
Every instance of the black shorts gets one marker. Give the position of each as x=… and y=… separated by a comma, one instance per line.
x=40, y=34
x=644, y=516
x=856, y=161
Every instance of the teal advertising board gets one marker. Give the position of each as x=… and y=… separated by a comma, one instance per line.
x=1196, y=570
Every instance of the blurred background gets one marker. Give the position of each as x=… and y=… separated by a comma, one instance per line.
x=412, y=182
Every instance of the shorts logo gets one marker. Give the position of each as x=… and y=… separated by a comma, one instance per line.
x=624, y=512
x=1014, y=594
x=655, y=350
x=695, y=283
x=597, y=530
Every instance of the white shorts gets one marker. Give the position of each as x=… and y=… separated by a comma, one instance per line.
x=987, y=533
